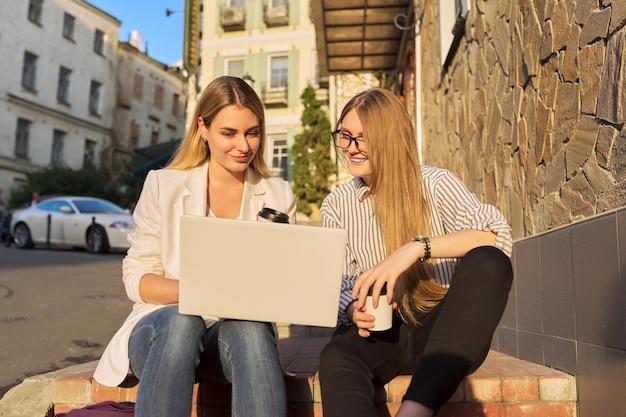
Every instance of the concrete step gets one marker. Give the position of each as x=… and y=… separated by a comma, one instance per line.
x=502, y=387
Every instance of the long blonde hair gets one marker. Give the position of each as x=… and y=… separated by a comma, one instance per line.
x=222, y=92
x=397, y=192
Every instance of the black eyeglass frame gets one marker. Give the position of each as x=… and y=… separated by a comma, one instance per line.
x=336, y=135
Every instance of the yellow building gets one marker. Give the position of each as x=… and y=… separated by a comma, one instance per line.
x=272, y=45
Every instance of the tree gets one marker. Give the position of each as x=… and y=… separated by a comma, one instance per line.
x=88, y=181
x=312, y=164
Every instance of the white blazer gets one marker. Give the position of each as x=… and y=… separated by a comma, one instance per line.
x=168, y=194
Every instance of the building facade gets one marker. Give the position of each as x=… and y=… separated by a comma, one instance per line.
x=271, y=44
x=55, y=109
x=150, y=101
x=72, y=94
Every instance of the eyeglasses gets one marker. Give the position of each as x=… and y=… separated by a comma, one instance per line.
x=343, y=140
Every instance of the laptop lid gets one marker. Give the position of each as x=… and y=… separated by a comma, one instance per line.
x=260, y=271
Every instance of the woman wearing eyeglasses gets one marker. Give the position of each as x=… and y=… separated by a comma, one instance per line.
x=441, y=255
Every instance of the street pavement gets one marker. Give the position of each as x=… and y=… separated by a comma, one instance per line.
x=58, y=307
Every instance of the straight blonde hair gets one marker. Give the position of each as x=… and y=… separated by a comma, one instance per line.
x=222, y=92
x=397, y=193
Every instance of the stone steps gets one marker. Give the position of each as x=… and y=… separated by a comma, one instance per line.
x=502, y=387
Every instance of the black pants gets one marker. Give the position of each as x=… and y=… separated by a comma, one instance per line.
x=450, y=342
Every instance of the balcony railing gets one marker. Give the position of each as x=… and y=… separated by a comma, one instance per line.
x=276, y=97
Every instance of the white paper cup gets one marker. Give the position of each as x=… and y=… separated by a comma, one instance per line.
x=383, y=314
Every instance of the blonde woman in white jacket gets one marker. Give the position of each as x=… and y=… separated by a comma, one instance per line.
x=217, y=171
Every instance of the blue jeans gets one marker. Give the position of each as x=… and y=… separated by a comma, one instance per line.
x=167, y=350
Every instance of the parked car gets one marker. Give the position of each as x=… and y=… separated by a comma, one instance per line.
x=82, y=222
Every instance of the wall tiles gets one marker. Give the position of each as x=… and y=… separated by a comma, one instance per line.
x=557, y=284
x=599, y=300
x=621, y=253
x=528, y=285
x=560, y=354
x=568, y=309
x=509, y=317
x=507, y=341
x=530, y=346
x=601, y=381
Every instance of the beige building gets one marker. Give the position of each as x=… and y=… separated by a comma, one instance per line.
x=150, y=104
x=71, y=94
x=55, y=109
x=272, y=45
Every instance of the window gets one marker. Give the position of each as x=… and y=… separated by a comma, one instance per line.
x=98, y=42
x=133, y=140
x=138, y=87
x=278, y=72
x=280, y=153
x=452, y=15
x=68, y=26
x=21, y=138
x=277, y=4
x=34, y=11
x=234, y=67
x=154, y=138
x=56, y=206
x=158, y=96
x=58, y=143
x=175, y=104
x=236, y=3
x=94, y=97
x=29, y=71
x=63, y=88
x=89, y=157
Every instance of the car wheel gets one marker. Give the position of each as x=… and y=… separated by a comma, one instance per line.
x=22, y=237
x=97, y=241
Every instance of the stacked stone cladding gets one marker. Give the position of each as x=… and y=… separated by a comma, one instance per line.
x=530, y=109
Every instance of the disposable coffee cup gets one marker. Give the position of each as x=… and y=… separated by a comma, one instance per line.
x=273, y=216
x=383, y=314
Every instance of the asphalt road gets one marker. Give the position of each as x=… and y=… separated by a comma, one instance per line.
x=58, y=307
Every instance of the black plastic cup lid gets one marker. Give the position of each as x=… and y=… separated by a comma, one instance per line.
x=274, y=215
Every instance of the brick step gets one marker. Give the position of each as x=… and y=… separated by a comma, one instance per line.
x=502, y=387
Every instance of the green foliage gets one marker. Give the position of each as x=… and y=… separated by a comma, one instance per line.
x=311, y=155
x=89, y=181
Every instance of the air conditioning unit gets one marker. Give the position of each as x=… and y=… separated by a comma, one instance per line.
x=233, y=18
x=276, y=16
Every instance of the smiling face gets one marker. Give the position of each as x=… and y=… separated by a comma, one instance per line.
x=358, y=162
x=233, y=137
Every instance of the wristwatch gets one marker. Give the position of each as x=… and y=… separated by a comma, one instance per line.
x=424, y=240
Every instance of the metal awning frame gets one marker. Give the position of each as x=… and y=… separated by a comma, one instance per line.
x=362, y=36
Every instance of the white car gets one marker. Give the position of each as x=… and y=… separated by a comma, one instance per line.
x=83, y=222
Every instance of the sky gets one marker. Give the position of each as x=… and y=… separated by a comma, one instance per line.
x=162, y=35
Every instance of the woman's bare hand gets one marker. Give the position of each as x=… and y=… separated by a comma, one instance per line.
x=361, y=319
x=386, y=272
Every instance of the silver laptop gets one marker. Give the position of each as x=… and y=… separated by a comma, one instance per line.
x=260, y=271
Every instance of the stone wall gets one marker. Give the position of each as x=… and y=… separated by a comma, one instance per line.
x=530, y=111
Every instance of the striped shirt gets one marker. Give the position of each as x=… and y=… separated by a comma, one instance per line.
x=453, y=208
